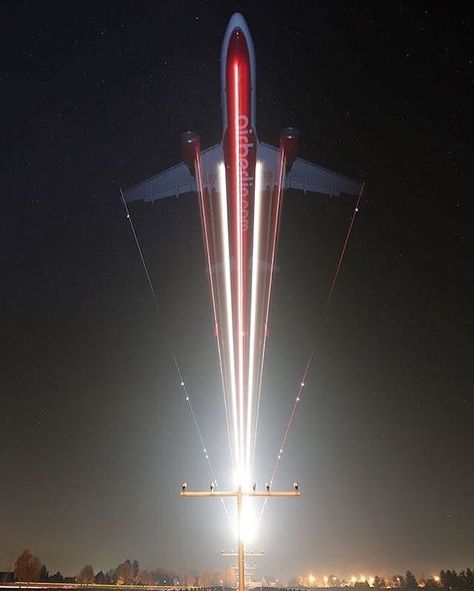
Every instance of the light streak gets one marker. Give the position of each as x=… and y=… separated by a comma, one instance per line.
x=196, y=424
x=274, y=241
x=253, y=305
x=343, y=251
x=202, y=208
x=247, y=528
x=140, y=252
x=309, y=363
x=228, y=303
x=238, y=230
x=290, y=421
x=198, y=429
x=207, y=248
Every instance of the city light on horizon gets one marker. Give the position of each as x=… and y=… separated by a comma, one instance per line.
x=386, y=580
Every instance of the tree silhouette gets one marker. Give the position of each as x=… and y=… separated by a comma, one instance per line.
x=27, y=567
x=410, y=580
x=86, y=575
x=145, y=577
x=135, y=569
x=124, y=573
x=397, y=581
x=101, y=578
x=111, y=575
x=449, y=579
x=44, y=574
x=190, y=580
x=467, y=579
x=56, y=578
x=161, y=577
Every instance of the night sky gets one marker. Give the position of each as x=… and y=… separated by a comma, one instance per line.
x=95, y=434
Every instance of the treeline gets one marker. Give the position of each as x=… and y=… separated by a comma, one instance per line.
x=29, y=568
x=446, y=580
x=464, y=581
x=449, y=580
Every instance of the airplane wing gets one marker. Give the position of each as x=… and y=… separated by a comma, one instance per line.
x=175, y=181
x=307, y=177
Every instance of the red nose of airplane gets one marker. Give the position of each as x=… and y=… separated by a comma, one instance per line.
x=238, y=49
x=238, y=59
x=238, y=77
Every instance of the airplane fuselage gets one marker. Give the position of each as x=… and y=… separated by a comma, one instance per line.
x=240, y=157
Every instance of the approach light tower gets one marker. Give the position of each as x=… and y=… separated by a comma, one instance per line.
x=239, y=494
x=255, y=553
x=248, y=575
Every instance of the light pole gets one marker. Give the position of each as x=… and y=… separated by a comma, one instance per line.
x=239, y=494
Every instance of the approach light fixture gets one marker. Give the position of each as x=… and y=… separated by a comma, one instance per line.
x=295, y=486
x=184, y=486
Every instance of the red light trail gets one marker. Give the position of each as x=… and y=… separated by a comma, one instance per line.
x=311, y=357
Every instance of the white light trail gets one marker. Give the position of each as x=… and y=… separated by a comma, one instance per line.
x=228, y=307
x=207, y=248
x=274, y=240
x=253, y=309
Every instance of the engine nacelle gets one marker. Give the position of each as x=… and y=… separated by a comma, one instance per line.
x=190, y=145
x=289, y=140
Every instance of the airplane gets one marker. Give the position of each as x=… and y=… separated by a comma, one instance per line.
x=240, y=184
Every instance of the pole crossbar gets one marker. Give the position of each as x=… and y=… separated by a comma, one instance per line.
x=233, y=553
x=228, y=493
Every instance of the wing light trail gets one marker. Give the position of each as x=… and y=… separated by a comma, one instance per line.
x=196, y=424
x=253, y=309
x=204, y=208
x=228, y=309
x=311, y=357
x=173, y=354
x=140, y=252
x=198, y=429
x=277, y=194
x=343, y=252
